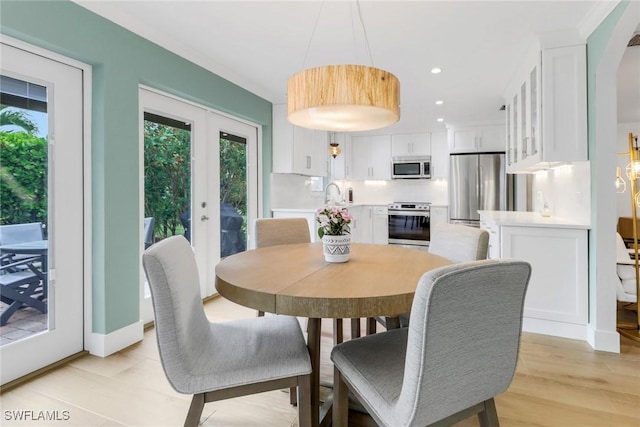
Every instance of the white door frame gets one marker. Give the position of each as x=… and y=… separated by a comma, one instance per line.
x=86, y=71
x=207, y=123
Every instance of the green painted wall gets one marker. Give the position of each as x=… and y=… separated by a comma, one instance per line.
x=596, y=44
x=121, y=61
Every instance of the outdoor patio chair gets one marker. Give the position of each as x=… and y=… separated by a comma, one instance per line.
x=149, y=228
x=20, y=233
x=22, y=287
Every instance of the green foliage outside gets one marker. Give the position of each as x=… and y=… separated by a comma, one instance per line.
x=167, y=176
x=23, y=178
x=233, y=177
x=10, y=116
x=167, y=170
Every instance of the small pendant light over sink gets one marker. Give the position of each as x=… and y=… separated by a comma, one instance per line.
x=343, y=98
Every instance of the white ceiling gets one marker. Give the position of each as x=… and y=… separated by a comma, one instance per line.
x=259, y=44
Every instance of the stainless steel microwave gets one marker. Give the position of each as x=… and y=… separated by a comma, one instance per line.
x=411, y=167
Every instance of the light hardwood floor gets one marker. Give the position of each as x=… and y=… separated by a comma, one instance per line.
x=559, y=382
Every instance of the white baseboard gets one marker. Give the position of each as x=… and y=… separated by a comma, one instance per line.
x=603, y=340
x=103, y=345
x=558, y=329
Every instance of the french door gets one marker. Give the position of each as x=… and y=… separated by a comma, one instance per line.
x=45, y=93
x=200, y=175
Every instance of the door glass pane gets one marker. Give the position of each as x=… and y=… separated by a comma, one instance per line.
x=167, y=178
x=233, y=194
x=23, y=209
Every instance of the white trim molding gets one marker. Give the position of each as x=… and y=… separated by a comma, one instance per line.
x=104, y=345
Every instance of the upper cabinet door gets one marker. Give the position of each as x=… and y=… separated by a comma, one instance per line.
x=295, y=149
x=411, y=144
x=477, y=139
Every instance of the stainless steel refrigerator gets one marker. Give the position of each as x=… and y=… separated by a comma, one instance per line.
x=478, y=181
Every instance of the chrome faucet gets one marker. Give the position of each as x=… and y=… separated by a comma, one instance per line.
x=326, y=192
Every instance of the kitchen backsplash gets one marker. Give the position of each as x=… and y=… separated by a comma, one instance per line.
x=294, y=191
x=565, y=190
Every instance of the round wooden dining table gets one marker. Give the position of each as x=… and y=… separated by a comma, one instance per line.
x=378, y=280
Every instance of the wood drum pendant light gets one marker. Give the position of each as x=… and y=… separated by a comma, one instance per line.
x=343, y=98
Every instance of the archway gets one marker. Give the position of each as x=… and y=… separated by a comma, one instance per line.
x=602, y=137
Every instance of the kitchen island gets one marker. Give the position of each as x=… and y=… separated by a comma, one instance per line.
x=557, y=249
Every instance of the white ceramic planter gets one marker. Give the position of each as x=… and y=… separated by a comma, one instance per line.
x=336, y=248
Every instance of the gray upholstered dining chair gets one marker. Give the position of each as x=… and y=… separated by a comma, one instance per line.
x=459, y=243
x=215, y=361
x=281, y=231
x=459, y=351
x=455, y=242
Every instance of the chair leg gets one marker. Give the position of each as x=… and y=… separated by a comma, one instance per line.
x=260, y=313
x=489, y=417
x=304, y=401
x=371, y=326
x=355, y=328
x=293, y=396
x=338, y=335
x=195, y=410
x=340, y=415
x=392, y=322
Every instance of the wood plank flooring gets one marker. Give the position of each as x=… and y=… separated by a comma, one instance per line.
x=558, y=382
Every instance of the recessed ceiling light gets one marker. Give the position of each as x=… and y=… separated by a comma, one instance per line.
x=439, y=102
x=440, y=119
x=436, y=70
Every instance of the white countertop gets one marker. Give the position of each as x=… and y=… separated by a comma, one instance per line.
x=530, y=219
x=314, y=210
x=301, y=210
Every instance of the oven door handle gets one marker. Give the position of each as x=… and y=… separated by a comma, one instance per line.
x=409, y=213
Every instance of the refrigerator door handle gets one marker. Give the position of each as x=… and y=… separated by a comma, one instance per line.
x=479, y=187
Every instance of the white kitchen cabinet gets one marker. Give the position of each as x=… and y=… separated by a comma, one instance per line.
x=439, y=215
x=339, y=166
x=411, y=144
x=380, y=225
x=298, y=150
x=467, y=139
x=493, y=251
x=546, y=111
x=439, y=156
x=556, y=302
x=370, y=158
x=558, y=288
x=369, y=224
x=361, y=224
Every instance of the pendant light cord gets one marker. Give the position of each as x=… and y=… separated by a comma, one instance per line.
x=364, y=31
x=313, y=32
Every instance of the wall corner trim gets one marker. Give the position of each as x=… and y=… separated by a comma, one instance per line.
x=104, y=345
x=603, y=340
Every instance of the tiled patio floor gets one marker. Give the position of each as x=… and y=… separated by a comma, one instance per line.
x=24, y=323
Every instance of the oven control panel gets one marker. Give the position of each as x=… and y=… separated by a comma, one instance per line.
x=421, y=206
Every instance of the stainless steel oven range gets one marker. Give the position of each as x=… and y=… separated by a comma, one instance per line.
x=410, y=224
